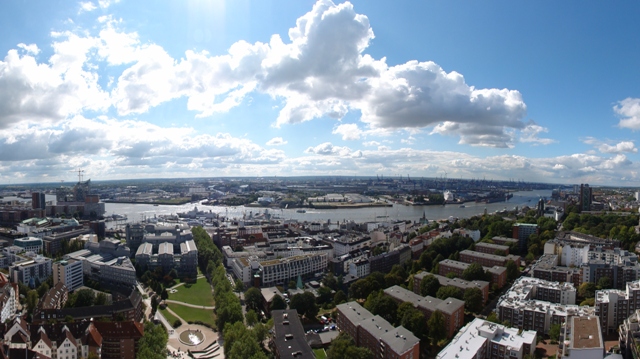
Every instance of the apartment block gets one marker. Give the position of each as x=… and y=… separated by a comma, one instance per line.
x=498, y=274
x=491, y=248
x=520, y=307
x=521, y=232
x=481, y=339
x=37, y=270
x=451, y=308
x=629, y=339
x=581, y=338
x=462, y=284
x=289, y=338
x=376, y=334
x=614, y=306
x=277, y=271
x=487, y=260
x=505, y=241
x=69, y=273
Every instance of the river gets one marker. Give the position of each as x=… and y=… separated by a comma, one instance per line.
x=137, y=212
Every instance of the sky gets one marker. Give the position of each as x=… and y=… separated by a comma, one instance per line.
x=525, y=90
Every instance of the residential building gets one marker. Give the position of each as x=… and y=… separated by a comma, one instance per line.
x=461, y=284
x=521, y=232
x=277, y=271
x=481, y=339
x=119, y=339
x=505, y=241
x=128, y=308
x=491, y=248
x=289, y=340
x=32, y=271
x=384, y=262
x=69, y=273
x=487, y=260
x=586, y=198
x=359, y=268
x=8, y=300
x=629, y=339
x=451, y=308
x=581, y=338
x=376, y=334
x=522, y=308
x=498, y=273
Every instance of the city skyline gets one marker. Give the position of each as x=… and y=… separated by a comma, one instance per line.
x=300, y=88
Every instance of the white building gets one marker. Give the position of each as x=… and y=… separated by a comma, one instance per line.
x=481, y=339
x=38, y=269
x=278, y=271
x=582, y=339
x=68, y=272
x=574, y=255
x=29, y=244
x=8, y=301
x=360, y=268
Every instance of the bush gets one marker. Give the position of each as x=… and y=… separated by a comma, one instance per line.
x=177, y=323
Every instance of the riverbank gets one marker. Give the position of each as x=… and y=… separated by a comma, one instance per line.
x=166, y=202
x=349, y=205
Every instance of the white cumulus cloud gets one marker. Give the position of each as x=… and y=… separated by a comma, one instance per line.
x=276, y=141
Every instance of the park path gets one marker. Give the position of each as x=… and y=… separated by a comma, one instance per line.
x=188, y=304
x=175, y=315
x=183, y=283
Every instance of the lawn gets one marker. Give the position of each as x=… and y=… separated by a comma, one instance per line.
x=194, y=314
x=320, y=353
x=198, y=293
x=168, y=316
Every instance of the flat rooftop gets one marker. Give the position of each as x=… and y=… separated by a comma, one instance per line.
x=586, y=333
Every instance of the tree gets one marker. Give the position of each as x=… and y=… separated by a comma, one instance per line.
x=228, y=309
x=239, y=286
x=330, y=281
x=429, y=286
x=473, y=300
x=605, y=283
x=164, y=295
x=43, y=289
x=412, y=319
x=554, y=332
x=305, y=304
x=382, y=305
x=449, y=291
x=339, y=297
x=474, y=272
x=437, y=321
x=240, y=342
x=589, y=302
x=278, y=303
x=324, y=295
x=253, y=298
x=32, y=300
x=513, y=271
x=493, y=317
x=360, y=289
x=85, y=298
x=426, y=262
x=587, y=290
x=251, y=317
x=101, y=299
x=153, y=344
x=343, y=347
x=292, y=284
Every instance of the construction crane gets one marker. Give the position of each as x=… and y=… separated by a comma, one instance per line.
x=79, y=174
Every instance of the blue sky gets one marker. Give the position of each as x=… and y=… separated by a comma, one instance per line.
x=538, y=91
